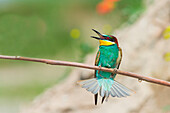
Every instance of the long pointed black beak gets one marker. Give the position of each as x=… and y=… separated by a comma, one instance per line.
x=100, y=35
x=96, y=37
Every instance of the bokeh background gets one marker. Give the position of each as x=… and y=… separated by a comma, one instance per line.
x=61, y=30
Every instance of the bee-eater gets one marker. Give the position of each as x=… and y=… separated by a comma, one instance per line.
x=109, y=55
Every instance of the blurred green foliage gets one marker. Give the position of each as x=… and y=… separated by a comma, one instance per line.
x=166, y=108
x=42, y=28
x=25, y=91
x=29, y=90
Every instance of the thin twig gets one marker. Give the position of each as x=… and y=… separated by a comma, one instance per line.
x=74, y=64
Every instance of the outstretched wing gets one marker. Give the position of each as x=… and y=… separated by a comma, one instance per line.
x=96, y=64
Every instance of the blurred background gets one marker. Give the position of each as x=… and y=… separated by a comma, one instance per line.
x=61, y=30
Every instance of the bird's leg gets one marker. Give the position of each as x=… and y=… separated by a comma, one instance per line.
x=95, y=98
x=102, y=100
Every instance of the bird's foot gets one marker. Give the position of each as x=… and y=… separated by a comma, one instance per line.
x=99, y=69
x=114, y=71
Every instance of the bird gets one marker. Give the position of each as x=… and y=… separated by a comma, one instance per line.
x=104, y=84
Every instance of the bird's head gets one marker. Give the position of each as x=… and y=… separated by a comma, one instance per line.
x=105, y=40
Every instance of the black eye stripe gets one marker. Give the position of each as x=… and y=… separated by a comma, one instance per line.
x=111, y=40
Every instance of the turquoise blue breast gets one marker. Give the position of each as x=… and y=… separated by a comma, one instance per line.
x=108, y=57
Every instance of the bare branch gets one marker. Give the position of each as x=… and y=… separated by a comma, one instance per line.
x=74, y=64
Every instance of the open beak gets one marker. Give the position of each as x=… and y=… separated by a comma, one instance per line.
x=100, y=35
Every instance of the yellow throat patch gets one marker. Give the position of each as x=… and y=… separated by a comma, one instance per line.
x=106, y=43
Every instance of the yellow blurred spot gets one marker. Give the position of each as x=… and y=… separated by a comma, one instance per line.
x=75, y=33
x=107, y=29
x=166, y=33
x=167, y=56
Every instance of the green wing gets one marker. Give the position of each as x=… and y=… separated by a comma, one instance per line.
x=119, y=59
x=97, y=60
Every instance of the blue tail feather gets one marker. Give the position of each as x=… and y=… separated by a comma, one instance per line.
x=105, y=87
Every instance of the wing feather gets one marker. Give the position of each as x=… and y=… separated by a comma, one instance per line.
x=96, y=64
x=119, y=59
